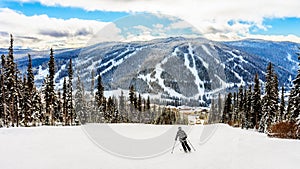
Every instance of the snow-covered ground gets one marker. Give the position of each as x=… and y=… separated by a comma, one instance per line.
x=69, y=147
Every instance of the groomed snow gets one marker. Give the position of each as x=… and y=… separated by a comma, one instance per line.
x=70, y=148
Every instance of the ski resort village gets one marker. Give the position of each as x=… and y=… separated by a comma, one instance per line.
x=149, y=84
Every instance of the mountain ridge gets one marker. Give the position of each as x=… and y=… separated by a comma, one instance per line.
x=174, y=66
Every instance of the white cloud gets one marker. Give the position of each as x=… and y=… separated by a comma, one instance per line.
x=209, y=18
x=40, y=31
x=203, y=14
x=106, y=34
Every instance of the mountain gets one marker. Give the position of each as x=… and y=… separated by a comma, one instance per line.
x=173, y=67
x=282, y=54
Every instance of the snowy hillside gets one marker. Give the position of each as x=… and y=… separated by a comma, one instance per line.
x=172, y=67
x=70, y=148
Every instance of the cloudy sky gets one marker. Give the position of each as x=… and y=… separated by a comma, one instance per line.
x=41, y=24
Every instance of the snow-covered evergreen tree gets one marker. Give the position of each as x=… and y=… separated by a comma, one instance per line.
x=28, y=93
x=70, y=107
x=227, y=112
x=256, y=103
x=65, y=103
x=122, y=107
x=99, y=95
x=241, y=103
x=281, y=113
x=80, y=103
x=50, y=88
x=294, y=100
x=10, y=84
x=3, y=102
x=270, y=100
x=249, y=115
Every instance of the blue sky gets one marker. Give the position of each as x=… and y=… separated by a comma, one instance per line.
x=71, y=23
x=36, y=8
x=280, y=26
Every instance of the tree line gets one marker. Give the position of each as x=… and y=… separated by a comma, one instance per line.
x=249, y=108
x=23, y=104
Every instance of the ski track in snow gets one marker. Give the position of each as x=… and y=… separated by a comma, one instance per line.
x=159, y=70
x=194, y=71
x=69, y=148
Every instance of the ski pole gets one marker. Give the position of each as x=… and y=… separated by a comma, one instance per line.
x=191, y=144
x=173, y=147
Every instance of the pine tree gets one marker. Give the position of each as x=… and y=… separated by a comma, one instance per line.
x=294, y=100
x=3, y=88
x=275, y=92
x=220, y=107
x=213, y=111
x=70, y=107
x=92, y=108
x=270, y=102
x=110, y=110
x=132, y=102
x=148, y=110
x=280, y=117
x=227, y=112
x=122, y=106
x=139, y=108
x=80, y=107
x=28, y=92
x=45, y=92
x=11, y=83
x=245, y=109
x=256, y=103
x=36, y=107
x=235, y=108
x=65, y=102
x=92, y=83
x=19, y=98
x=249, y=115
x=99, y=95
x=50, y=88
x=58, y=108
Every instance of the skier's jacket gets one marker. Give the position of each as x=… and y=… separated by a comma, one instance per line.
x=182, y=135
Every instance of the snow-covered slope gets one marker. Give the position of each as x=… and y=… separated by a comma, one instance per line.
x=70, y=148
x=173, y=67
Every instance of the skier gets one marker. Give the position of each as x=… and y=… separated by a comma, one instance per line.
x=182, y=138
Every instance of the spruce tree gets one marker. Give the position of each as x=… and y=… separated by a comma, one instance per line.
x=28, y=90
x=256, y=103
x=122, y=106
x=245, y=109
x=148, y=109
x=92, y=82
x=80, y=103
x=50, y=88
x=132, y=102
x=212, y=114
x=234, y=108
x=3, y=89
x=281, y=113
x=110, y=110
x=270, y=102
x=227, y=112
x=65, y=102
x=139, y=108
x=294, y=100
x=99, y=95
x=11, y=83
x=220, y=108
x=70, y=107
x=241, y=104
x=249, y=113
